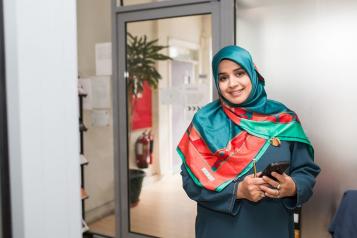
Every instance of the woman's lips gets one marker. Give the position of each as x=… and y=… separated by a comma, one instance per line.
x=236, y=93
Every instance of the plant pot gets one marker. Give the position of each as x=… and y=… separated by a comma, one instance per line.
x=136, y=177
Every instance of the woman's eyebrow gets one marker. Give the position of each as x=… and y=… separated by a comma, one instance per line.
x=237, y=68
x=233, y=70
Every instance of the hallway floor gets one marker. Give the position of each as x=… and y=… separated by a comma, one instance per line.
x=164, y=211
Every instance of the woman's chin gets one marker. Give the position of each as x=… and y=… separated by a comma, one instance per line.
x=236, y=100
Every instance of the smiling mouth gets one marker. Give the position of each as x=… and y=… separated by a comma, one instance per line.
x=236, y=93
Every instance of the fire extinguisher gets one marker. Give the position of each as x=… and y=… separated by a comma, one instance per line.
x=142, y=150
x=151, y=141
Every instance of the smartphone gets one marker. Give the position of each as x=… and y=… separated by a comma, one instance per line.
x=279, y=167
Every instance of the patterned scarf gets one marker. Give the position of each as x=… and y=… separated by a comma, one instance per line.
x=224, y=139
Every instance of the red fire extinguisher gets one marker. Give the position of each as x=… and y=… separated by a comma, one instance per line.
x=143, y=150
x=151, y=141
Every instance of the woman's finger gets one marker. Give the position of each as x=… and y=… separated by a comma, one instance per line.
x=271, y=182
x=279, y=177
x=276, y=195
x=270, y=192
x=257, y=196
x=250, y=176
x=258, y=181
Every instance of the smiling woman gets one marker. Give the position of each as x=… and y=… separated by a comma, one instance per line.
x=228, y=139
x=234, y=83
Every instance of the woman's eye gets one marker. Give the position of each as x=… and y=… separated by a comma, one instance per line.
x=240, y=73
x=223, y=78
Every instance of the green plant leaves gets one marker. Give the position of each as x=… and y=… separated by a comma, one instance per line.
x=142, y=56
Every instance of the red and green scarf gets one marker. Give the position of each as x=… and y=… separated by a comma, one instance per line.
x=223, y=139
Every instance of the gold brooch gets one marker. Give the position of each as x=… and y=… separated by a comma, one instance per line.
x=275, y=141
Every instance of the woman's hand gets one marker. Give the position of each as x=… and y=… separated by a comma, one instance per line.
x=284, y=187
x=249, y=188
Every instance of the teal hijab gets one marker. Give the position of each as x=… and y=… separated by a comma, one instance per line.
x=216, y=127
x=257, y=100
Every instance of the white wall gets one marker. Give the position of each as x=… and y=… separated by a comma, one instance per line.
x=307, y=52
x=41, y=67
x=94, y=26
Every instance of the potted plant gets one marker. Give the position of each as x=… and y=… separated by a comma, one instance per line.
x=141, y=58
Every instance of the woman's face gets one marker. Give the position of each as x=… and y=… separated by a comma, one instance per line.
x=233, y=82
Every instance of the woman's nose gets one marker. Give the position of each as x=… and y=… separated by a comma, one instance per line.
x=233, y=82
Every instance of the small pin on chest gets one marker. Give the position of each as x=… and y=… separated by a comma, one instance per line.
x=275, y=142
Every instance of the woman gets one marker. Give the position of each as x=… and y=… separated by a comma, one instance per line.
x=232, y=137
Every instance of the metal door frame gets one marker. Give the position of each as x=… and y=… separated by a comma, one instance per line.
x=6, y=219
x=223, y=33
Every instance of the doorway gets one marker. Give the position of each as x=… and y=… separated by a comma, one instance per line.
x=161, y=77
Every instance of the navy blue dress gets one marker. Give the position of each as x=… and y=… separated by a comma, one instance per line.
x=344, y=224
x=221, y=214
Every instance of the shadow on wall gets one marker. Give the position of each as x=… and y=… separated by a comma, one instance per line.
x=305, y=50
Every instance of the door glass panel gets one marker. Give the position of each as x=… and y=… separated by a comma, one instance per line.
x=159, y=111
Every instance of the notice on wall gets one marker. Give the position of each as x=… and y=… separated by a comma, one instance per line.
x=103, y=58
x=98, y=92
x=101, y=95
x=100, y=118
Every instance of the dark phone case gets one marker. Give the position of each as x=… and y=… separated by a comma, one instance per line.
x=278, y=167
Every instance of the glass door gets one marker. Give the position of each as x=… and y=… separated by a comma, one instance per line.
x=162, y=76
x=159, y=114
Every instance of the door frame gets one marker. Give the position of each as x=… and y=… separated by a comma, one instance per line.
x=223, y=33
x=6, y=219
